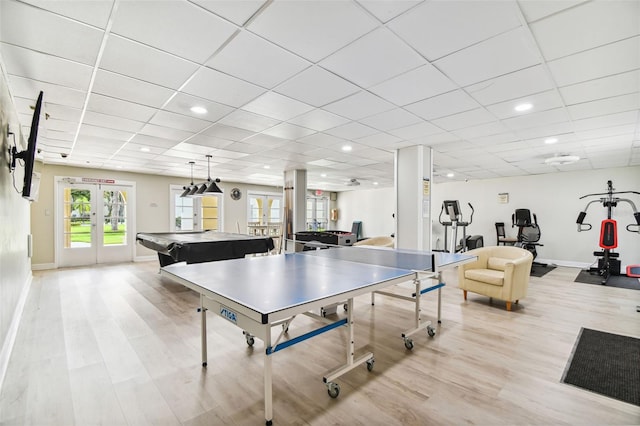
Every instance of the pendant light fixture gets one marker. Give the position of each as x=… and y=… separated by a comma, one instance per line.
x=210, y=186
x=187, y=189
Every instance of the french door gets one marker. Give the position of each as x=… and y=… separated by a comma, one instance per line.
x=94, y=222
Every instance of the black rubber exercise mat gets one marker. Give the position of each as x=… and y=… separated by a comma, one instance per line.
x=606, y=363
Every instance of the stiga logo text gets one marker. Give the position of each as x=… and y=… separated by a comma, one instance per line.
x=228, y=314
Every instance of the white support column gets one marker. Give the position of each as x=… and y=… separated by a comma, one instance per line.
x=295, y=202
x=413, y=180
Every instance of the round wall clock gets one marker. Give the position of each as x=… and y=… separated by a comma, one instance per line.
x=236, y=194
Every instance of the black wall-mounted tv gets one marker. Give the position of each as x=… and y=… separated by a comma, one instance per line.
x=30, y=187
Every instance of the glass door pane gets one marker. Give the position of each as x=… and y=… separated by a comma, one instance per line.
x=114, y=217
x=77, y=226
x=184, y=213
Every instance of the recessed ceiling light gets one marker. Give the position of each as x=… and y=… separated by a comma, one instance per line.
x=145, y=149
x=549, y=141
x=266, y=166
x=323, y=175
x=347, y=148
x=375, y=183
x=523, y=107
x=450, y=175
x=198, y=110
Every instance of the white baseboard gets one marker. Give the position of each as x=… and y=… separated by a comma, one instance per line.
x=567, y=263
x=145, y=258
x=43, y=266
x=12, y=332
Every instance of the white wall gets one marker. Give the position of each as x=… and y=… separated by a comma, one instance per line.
x=554, y=198
x=374, y=207
x=15, y=265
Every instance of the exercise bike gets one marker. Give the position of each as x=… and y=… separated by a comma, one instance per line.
x=608, y=262
x=528, y=231
x=456, y=220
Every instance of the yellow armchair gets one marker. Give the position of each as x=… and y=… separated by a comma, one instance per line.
x=501, y=272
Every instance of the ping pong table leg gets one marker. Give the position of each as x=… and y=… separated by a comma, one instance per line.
x=268, y=380
x=439, y=296
x=203, y=330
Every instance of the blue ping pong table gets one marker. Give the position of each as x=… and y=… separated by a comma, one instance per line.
x=260, y=293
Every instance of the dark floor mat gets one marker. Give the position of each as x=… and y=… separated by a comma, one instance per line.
x=621, y=281
x=606, y=363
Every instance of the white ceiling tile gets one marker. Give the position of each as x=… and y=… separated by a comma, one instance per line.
x=179, y=121
x=288, y=131
x=165, y=132
x=265, y=141
x=464, y=119
x=95, y=12
x=389, y=120
x=319, y=120
x=218, y=87
x=608, y=124
x=416, y=130
x=351, y=130
x=316, y=86
x=605, y=106
x=589, y=25
x=440, y=106
x=551, y=130
x=387, y=10
x=119, y=108
x=378, y=140
x=172, y=26
x=511, y=86
x=536, y=119
x=420, y=83
x=245, y=147
x=437, y=139
x=257, y=61
x=312, y=30
x=600, y=88
x=322, y=139
x=248, y=121
x=360, y=105
x=110, y=121
x=438, y=28
x=27, y=26
x=615, y=58
x=277, y=106
x=505, y=53
x=536, y=9
x=235, y=11
x=42, y=67
x=209, y=141
x=103, y=132
x=25, y=88
x=361, y=61
x=129, y=89
x=540, y=101
x=182, y=103
x=492, y=130
x=145, y=63
x=227, y=132
x=141, y=139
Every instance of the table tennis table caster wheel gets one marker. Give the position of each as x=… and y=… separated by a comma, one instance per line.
x=250, y=339
x=333, y=389
x=370, y=363
x=323, y=313
x=431, y=331
x=408, y=343
x=204, y=364
x=345, y=307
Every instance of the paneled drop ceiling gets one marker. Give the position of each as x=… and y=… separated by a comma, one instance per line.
x=290, y=84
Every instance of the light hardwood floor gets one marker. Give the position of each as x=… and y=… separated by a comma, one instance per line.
x=118, y=344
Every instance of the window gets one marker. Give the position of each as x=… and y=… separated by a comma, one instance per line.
x=317, y=213
x=210, y=213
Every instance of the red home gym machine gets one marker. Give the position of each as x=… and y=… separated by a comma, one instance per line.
x=608, y=263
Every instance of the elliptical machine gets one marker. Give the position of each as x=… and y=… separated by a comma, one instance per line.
x=456, y=220
x=608, y=263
